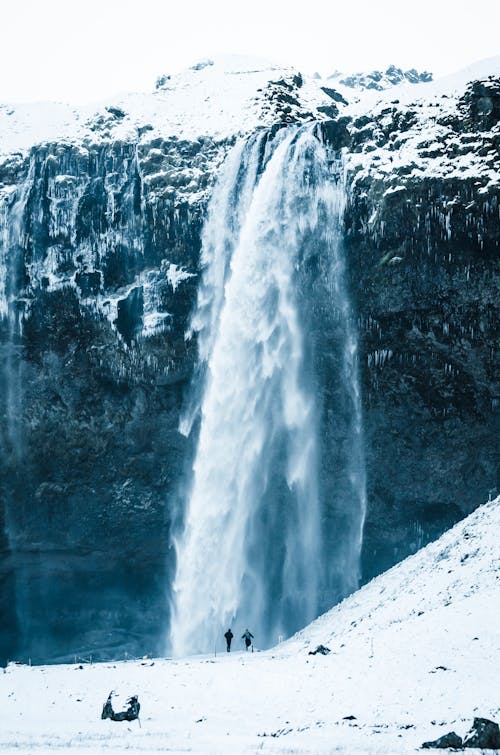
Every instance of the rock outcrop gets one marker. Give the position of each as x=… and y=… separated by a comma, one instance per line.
x=484, y=735
x=380, y=80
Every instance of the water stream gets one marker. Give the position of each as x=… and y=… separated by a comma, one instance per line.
x=252, y=552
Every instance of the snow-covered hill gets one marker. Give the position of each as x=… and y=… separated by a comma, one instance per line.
x=218, y=98
x=414, y=654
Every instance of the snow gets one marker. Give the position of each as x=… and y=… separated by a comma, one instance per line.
x=429, y=147
x=176, y=274
x=230, y=96
x=407, y=93
x=414, y=654
x=393, y=190
x=219, y=99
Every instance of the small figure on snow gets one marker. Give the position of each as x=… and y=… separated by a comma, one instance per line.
x=229, y=636
x=248, y=637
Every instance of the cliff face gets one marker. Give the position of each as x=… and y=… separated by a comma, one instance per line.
x=95, y=361
x=99, y=272
x=422, y=238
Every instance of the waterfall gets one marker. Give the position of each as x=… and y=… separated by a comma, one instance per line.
x=12, y=274
x=252, y=552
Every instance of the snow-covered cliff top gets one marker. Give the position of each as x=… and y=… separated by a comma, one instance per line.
x=410, y=131
x=218, y=98
x=438, y=129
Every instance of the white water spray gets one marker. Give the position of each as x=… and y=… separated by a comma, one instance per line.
x=252, y=548
x=12, y=249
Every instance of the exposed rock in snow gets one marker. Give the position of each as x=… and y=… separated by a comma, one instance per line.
x=379, y=80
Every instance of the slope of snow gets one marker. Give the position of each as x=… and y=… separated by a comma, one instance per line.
x=414, y=654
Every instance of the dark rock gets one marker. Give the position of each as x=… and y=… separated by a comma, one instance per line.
x=202, y=64
x=378, y=80
x=117, y=112
x=130, y=714
x=321, y=649
x=334, y=95
x=98, y=442
x=335, y=132
x=129, y=319
x=283, y=84
x=422, y=311
x=480, y=105
x=329, y=110
x=144, y=129
x=447, y=741
x=162, y=80
x=484, y=734
x=89, y=283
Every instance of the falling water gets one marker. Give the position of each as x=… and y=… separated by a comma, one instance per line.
x=12, y=243
x=253, y=551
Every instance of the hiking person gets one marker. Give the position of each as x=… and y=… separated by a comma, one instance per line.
x=248, y=637
x=229, y=636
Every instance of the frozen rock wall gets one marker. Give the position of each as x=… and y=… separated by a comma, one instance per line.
x=99, y=269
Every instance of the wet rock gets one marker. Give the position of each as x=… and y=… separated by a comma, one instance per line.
x=329, y=110
x=130, y=714
x=425, y=355
x=336, y=132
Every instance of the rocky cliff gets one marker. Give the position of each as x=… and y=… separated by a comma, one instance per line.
x=101, y=213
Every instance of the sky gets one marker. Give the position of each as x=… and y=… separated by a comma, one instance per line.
x=84, y=50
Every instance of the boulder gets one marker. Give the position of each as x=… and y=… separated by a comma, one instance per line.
x=484, y=734
x=445, y=742
x=321, y=649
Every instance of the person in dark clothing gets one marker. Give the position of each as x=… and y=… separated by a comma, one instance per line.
x=248, y=637
x=229, y=636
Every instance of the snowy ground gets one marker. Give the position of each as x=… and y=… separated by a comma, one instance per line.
x=414, y=655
